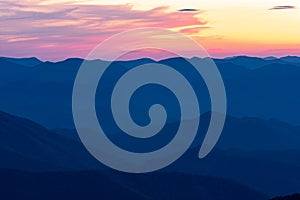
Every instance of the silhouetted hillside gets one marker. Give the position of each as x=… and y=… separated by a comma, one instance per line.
x=26, y=145
x=272, y=176
x=289, y=197
x=113, y=185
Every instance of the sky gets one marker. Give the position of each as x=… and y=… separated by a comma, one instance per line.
x=58, y=29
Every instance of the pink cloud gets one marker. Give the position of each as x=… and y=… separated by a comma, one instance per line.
x=60, y=31
x=193, y=30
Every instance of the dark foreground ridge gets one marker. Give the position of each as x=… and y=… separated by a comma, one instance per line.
x=88, y=185
x=289, y=197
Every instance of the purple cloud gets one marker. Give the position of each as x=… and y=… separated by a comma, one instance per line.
x=282, y=7
x=188, y=10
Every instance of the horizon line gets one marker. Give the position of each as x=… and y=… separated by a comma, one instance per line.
x=156, y=60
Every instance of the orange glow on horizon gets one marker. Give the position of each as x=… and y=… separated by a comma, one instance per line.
x=54, y=30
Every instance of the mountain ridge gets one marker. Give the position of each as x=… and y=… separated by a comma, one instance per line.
x=25, y=145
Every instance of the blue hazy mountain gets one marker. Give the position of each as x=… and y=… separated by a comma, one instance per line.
x=255, y=63
x=254, y=169
x=259, y=146
x=248, y=62
x=259, y=153
x=267, y=90
x=247, y=134
x=29, y=62
x=28, y=146
x=291, y=59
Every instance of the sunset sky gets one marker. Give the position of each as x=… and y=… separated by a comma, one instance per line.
x=57, y=29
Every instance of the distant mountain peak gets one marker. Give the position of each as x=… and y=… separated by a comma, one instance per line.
x=291, y=59
x=29, y=62
x=270, y=58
